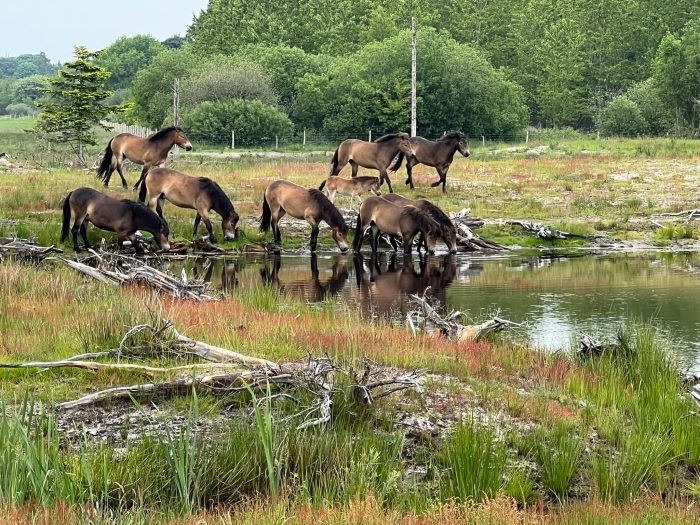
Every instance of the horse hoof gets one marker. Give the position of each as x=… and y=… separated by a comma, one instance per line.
x=435, y=184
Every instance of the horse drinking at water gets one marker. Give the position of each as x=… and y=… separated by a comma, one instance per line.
x=310, y=205
x=448, y=232
x=375, y=155
x=124, y=217
x=438, y=154
x=196, y=193
x=352, y=187
x=147, y=152
x=381, y=216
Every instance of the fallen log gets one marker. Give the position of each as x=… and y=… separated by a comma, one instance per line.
x=466, y=237
x=544, y=232
x=26, y=249
x=688, y=214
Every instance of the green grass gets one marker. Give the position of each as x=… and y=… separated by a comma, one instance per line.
x=558, y=454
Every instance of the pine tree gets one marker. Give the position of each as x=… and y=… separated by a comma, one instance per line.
x=74, y=102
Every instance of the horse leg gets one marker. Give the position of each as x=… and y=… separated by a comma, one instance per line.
x=276, y=227
x=443, y=178
x=74, y=230
x=314, y=238
x=120, y=170
x=207, y=223
x=354, y=167
x=374, y=238
x=135, y=243
x=145, y=169
x=159, y=207
x=196, y=225
x=409, y=175
x=407, y=244
x=385, y=177
x=394, y=243
x=83, y=234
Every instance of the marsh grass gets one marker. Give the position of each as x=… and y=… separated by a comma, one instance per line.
x=558, y=453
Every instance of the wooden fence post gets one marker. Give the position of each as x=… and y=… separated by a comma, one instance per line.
x=233, y=139
x=304, y=139
x=370, y=135
x=527, y=136
x=483, y=140
x=276, y=142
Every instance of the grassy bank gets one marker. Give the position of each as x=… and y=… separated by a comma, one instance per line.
x=527, y=436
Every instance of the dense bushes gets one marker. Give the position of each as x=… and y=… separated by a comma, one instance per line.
x=622, y=117
x=251, y=119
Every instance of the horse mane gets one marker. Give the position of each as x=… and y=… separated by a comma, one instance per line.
x=425, y=222
x=452, y=135
x=437, y=214
x=163, y=132
x=391, y=136
x=330, y=213
x=220, y=201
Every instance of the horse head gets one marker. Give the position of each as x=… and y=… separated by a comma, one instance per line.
x=181, y=139
x=230, y=226
x=463, y=144
x=340, y=236
x=405, y=145
x=161, y=235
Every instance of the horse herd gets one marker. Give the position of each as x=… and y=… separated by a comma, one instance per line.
x=392, y=215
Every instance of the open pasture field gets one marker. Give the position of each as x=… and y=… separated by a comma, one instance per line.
x=501, y=433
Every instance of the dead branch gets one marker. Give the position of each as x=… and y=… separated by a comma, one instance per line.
x=688, y=214
x=430, y=320
x=95, y=366
x=25, y=249
x=589, y=346
x=542, y=231
x=117, y=269
x=466, y=237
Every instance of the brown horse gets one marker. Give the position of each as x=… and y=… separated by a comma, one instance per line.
x=148, y=152
x=304, y=286
x=310, y=205
x=352, y=187
x=381, y=216
x=124, y=217
x=438, y=154
x=448, y=232
x=375, y=155
x=195, y=193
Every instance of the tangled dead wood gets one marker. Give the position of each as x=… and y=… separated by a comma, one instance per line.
x=466, y=237
x=428, y=319
x=689, y=215
x=543, y=231
x=118, y=269
x=230, y=372
x=26, y=249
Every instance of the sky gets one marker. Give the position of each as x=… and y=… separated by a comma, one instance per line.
x=55, y=26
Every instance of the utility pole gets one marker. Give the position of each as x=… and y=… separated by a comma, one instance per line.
x=176, y=111
x=413, y=76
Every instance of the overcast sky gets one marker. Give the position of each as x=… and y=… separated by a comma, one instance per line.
x=55, y=26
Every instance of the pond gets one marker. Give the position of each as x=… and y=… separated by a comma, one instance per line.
x=560, y=298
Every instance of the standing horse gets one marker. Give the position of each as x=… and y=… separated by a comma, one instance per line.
x=147, y=152
x=448, y=232
x=438, y=154
x=381, y=216
x=375, y=155
x=124, y=217
x=195, y=193
x=310, y=205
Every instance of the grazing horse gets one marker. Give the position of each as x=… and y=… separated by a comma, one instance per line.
x=381, y=216
x=438, y=154
x=352, y=187
x=147, y=152
x=448, y=232
x=124, y=217
x=375, y=155
x=310, y=205
x=196, y=193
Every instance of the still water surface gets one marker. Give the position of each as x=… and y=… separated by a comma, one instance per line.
x=560, y=298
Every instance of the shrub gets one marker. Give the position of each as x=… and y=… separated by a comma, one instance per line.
x=622, y=117
x=252, y=121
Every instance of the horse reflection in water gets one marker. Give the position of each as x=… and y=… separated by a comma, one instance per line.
x=220, y=274
x=300, y=284
x=385, y=293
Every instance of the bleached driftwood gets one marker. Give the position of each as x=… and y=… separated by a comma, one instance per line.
x=25, y=249
x=120, y=269
x=589, y=346
x=688, y=214
x=429, y=319
x=543, y=231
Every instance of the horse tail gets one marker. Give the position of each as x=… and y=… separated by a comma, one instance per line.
x=334, y=162
x=266, y=216
x=143, y=190
x=323, y=185
x=397, y=162
x=357, y=241
x=106, y=163
x=66, y=217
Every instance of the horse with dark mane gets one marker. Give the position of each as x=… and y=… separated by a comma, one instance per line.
x=448, y=232
x=195, y=193
x=124, y=217
x=375, y=155
x=311, y=205
x=438, y=154
x=147, y=152
x=378, y=215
